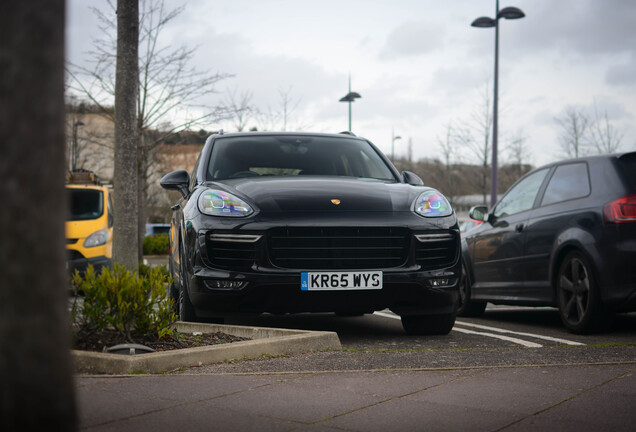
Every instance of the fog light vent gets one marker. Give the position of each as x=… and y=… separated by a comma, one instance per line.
x=443, y=282
x=224, y=284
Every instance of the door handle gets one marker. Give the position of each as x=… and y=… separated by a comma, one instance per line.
x=519, y=227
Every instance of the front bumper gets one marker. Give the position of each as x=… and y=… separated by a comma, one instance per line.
x=256, y=267
x=81, y=264
x=405, y=293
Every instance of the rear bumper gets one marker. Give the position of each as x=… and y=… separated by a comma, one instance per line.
x=616, y=272
x=621, y=298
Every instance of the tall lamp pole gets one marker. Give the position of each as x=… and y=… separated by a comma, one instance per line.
x=350, y=97
x=486, y=22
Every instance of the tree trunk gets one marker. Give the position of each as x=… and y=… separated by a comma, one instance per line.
x=125, y=230
x=36, y=388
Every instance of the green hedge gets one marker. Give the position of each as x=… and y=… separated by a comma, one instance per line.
x=134, y=305
x=158, y=244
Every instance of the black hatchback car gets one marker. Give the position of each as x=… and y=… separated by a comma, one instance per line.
x=564, y=235
x=300, y=222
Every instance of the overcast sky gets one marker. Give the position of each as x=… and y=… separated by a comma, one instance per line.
x=418, y=64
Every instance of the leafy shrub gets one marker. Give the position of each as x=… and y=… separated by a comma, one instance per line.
x=162, y=270
x=131, y=304
x=158, y=244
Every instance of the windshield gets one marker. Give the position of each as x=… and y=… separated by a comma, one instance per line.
x=85, y=204
x=236, y=157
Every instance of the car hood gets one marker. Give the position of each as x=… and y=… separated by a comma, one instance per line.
x=84, y=228
x=322, y=194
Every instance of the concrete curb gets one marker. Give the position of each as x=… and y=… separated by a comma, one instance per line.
x=270, y=341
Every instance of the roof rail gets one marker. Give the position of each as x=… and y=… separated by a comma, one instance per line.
x=82, y=176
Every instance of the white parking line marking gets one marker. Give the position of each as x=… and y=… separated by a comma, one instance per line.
x=522, y=342
x=496, y=336
x=532, y=335
x=386, y=315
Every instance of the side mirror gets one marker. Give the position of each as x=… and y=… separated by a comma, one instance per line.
x=479, y=213
x=412, y=178
x=176, y=180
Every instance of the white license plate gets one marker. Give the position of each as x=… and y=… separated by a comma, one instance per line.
x=330, y=281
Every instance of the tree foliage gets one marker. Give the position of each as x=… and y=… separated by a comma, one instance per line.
x=465, y=177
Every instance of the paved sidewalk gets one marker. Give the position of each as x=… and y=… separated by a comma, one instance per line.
x=564, y=398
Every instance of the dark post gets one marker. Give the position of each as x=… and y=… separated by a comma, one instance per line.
x=495, y=119
x=36, y=387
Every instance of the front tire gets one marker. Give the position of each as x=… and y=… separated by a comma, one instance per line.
x=417, y=325
x=467, y=307
x=173, y=293
x=578, y=298
x=185, y=308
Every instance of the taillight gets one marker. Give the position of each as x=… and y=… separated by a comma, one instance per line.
x=622, y=210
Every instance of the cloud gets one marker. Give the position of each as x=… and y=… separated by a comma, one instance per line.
x=623, y=74
x=574, y=27
x=417, y=63
x=412, y=39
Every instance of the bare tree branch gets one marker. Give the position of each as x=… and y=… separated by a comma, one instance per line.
x=170, y=89
x=603, y=136
x=573, y=127
x=168, y=86
x=240, y=107
x=474, y=136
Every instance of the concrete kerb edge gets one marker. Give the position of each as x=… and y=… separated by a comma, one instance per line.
x=265, y=341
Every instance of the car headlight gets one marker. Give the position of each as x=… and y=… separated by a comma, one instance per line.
x=98, y=238
x=432, y=204
x=219, y=203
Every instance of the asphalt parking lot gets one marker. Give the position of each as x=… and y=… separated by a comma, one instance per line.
x=383, y=379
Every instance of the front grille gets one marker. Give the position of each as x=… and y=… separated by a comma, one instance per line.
x=231, y=252
x=74, y=255
x=435, y=251
x=332, y=248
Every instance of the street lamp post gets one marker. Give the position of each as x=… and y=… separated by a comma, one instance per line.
x=350, y=97
x=74, y=158
x=393, y=139
x=486, y=22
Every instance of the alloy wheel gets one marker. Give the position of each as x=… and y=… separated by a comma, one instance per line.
x=574, y=283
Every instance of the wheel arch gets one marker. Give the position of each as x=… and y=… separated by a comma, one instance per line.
x=466, y=260
x=584, y=244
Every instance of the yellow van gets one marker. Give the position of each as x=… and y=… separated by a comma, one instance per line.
x=89, y=225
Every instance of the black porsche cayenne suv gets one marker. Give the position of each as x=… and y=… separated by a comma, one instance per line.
x=303, y=222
